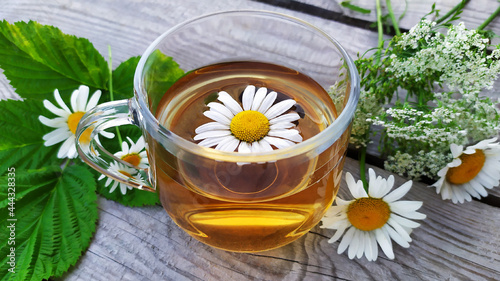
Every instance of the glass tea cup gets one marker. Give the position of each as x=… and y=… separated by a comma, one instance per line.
x=244, y=200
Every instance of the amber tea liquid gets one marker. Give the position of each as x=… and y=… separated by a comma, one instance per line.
x=253, y=206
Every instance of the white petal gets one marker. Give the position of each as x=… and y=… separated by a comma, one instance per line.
x=94, y=100
x=56, y=136
x=277, y=142
x=107, y=134
x=346, y=240
x=212, y=134
x=216, y=116
x=456, y=150
x=404, y=221
x=290, y=134
x=81, y=101
x=337, y=234
x=113, y=187
x=255, y=147
x=244, y=147
x=405, y=206
x=361, y=246
x=289, y=117
x=282, y=125
x=265, y=146
x=229, y=102
x=247, y=97
x=398, y=192
x=72, y=152
x=215, y=106
x=65, y=147
x=60, y=101
x=384, y=242
x=209, y=142
x=123, y=188
x=125, y=148
x=228, y=144
x=267, y=102
x=279, y=108
x=258, y=98
x=210, y=127
x=356, y=188
x=394, y=235
x=354, y=245
x=57, y=111
x=58, y=122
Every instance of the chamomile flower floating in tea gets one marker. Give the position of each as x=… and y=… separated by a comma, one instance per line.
x=68, y=120
x=255, y=126
x=135, y=154
x=471, y=172
x=119, y=168
x=376, y=217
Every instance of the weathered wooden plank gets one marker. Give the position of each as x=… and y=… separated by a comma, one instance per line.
x=455, y=242
x=476, y=11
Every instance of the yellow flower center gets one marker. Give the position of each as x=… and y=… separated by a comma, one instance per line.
x=249, y=126
x=73, y=120
x=368, y=213
x=470, y=167
x=133, y=159
x=125, y=173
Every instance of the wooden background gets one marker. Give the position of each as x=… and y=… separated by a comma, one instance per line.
x=455, y=242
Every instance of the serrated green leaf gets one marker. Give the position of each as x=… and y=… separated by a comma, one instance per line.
x=123, y=79
x=22, y=143
x=39, y=58
x=54, y=221
x=162, y=73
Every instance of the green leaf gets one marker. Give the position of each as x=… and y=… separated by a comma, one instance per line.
x=348, y=5
x=54, y=218
x=22, y=143
x=162, y=72
x=39, y=58
x=123, y=79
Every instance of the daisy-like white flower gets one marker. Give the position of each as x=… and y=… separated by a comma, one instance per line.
x=116, y=168
x=255, y=126
x=68, y=120
x=376, y=217
x=135, y=154
x=471, y=172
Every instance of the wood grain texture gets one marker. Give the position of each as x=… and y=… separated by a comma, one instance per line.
x=455, y=242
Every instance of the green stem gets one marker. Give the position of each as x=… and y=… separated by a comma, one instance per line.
x=380, y=32
x=110, y=68
x=362, y=167
x=393, y=18
x=488, y=20
x=460, y=6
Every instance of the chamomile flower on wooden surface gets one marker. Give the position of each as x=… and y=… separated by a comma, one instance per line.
x=67, y=120
x=254, y=126
x=372, y=218
x=471, y=172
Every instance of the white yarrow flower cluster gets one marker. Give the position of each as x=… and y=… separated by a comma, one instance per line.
x=457, y=59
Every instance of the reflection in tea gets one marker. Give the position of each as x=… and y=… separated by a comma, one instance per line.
x=246, y=207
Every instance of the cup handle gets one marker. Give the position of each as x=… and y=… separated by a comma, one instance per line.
x=101, y=117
